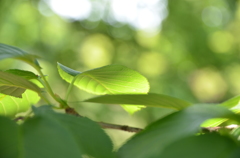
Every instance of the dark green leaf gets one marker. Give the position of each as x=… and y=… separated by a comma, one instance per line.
x=7, y=51
x=14, y=85
x=157, y=136
x=44, y=137
x=50, y=135
x=9, y=138
x=154, y=100
x=203, y=146
x=25, y=74
x=88, y=136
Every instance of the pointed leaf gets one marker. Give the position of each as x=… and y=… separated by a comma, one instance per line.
x=203, y=146
x=14, y=85
x=232, y=104
x=10, y=106
x=89, y=138
x=7, y=51
x=153, y=100
x=23, y=73
x=156, y=137
x=111, y=79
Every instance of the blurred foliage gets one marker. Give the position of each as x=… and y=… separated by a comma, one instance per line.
x=194, y=54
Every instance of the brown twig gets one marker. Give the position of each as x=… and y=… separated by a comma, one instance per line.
x=215, y=129
x=119, y=127
x=71, y=111
x=106, y=125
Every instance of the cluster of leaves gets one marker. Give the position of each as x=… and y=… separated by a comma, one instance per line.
x=46, y=133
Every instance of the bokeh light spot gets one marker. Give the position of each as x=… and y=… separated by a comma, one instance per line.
x=212, y=16
x=221, y=42
x=96, y=51
x=208, y=85
x=152, y=64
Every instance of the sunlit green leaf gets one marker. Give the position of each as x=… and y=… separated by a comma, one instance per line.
x=152, y=141
x=111, y=79
x=10, y=106
x=7, y=51
x=153, y=100
x=203, y=146
x=14, y=85
x=232, y=104
x=23, y=73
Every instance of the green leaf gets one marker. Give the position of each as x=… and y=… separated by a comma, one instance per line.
x=203, y=146
x=152, y=141
x=62, y=135
x=7, y=51
x=23, y=73
x=111, y=79
x=50, y=135
x=10, y=106
x=14, y=85
x=152, y=100
x=232, y=104
x=9, y=139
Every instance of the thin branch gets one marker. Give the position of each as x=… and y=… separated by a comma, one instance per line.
x=106, y=125
x=71, y=111
x=119, y=127
x=215, y=129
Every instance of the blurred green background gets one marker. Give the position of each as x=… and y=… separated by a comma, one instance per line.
x=186, y=49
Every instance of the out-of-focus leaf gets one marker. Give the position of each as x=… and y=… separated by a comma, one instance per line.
x=232, y=104
x=7, y=51
x=203, y=146
x=111, y=79
x=213, y=122
x=50, y=135
x=10, y=106
x=62, y=135
x=9, y=139
x=153, y=100
x=14, y=85
x=156, y=137
x=13, y=91
x=23, y=73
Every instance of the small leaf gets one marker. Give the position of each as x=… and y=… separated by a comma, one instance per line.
x=152, y=141
x=203, y=146
x=7, y=51
x=10, y=106
x=14, y=85
x=111, y=79
x=23, y=73
x=152, y=100
x=13, y=91
x=232, y=104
